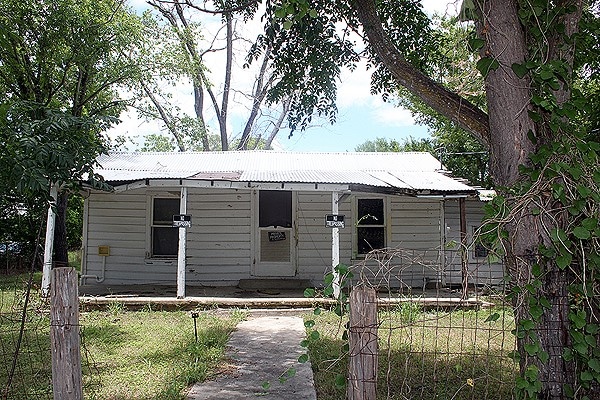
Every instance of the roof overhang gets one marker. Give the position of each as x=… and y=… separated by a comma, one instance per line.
x=120, y=186
x=222, y=184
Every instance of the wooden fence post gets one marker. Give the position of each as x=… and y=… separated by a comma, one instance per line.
x=363, y=363
x=64, y=335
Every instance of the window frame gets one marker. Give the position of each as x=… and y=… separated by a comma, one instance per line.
x=474, y=242
x=151, y=225
x=357, y=226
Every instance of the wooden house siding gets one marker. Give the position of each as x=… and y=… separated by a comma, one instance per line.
x=219, y=243
x=416, y=235
x=118, y=221
x=314, y=238
x=482, y=271
x=414, y=242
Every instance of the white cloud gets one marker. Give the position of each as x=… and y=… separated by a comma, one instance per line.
x=390, y=115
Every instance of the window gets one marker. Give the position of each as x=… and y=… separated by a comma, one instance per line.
x=370, y=230
x=275, y=208
x=165, y=238
x=482, y=245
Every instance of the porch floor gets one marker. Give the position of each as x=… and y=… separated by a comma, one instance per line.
x=165, y=297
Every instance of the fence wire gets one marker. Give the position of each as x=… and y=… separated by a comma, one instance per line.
x=25, y=351
x=441, y=336
x=24, y=338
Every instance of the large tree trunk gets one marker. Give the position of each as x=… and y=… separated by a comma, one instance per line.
x=61, y=252
x=508, y=99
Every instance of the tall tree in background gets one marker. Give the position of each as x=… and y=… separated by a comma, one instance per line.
x=181, y=57
x=543, y=156
x=60, y=64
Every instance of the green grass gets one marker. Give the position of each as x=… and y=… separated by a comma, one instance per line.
x=75, y=259
x=424, y=355
x=125, y=354
x=151, y=354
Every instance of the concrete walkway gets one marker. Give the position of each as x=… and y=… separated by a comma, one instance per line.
x=261, y=350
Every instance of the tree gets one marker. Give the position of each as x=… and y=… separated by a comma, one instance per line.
x=60, y=64
x=454, y=154
x=181, y=56
x=543, y=156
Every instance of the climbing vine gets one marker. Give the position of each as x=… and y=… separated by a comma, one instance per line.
x=561, y=190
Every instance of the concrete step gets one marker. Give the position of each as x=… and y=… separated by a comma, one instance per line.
x=273, y=283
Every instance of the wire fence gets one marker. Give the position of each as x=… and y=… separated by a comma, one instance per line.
x=25, y=351
x=438, y=337
x=24, y=338
x=448, y=337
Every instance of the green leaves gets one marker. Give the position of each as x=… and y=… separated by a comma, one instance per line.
x=487, y=64
x=520, y=70
x=475, y=43
x=303, y=358
x=492, y=317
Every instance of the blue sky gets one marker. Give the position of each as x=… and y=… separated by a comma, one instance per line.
x=355, y=126
x=361, y=116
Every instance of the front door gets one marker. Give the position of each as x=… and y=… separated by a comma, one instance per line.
x=275, y=237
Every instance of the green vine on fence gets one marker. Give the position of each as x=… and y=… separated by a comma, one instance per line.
x=340, y=308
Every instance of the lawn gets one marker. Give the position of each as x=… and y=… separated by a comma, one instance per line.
x=461, y=354
x=126, y=355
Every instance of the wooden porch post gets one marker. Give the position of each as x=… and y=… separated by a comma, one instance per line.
x=464, y=254
x=182, y=247
x=335, y=246
x=49, y=244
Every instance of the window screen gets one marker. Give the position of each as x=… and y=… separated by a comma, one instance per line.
x=370, y=231
x=482, y=245
x=165, y=238
x=275, y=208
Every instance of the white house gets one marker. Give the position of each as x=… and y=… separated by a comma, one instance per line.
x=266, y=215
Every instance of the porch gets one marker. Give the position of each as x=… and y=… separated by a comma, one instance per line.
x=266, y=297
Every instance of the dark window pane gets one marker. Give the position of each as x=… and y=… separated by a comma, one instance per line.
x=480, y=250
x=165, y=241
x=164, y=209
x=370, y=238
x=275, y=208
x=370, y=212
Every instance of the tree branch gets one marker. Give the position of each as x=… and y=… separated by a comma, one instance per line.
x=164, y=116
x=459, y=110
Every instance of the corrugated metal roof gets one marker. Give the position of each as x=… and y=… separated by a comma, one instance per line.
x=406, y=171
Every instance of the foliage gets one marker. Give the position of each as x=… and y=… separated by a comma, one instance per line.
x=456, y=155
x=60, y=64
x=561, y=187
x=465, y=156
x=186, y=42
x=74, y=222
x=384, y=145
x=309, y=50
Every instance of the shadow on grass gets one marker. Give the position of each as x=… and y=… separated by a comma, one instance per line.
x=419, y=375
